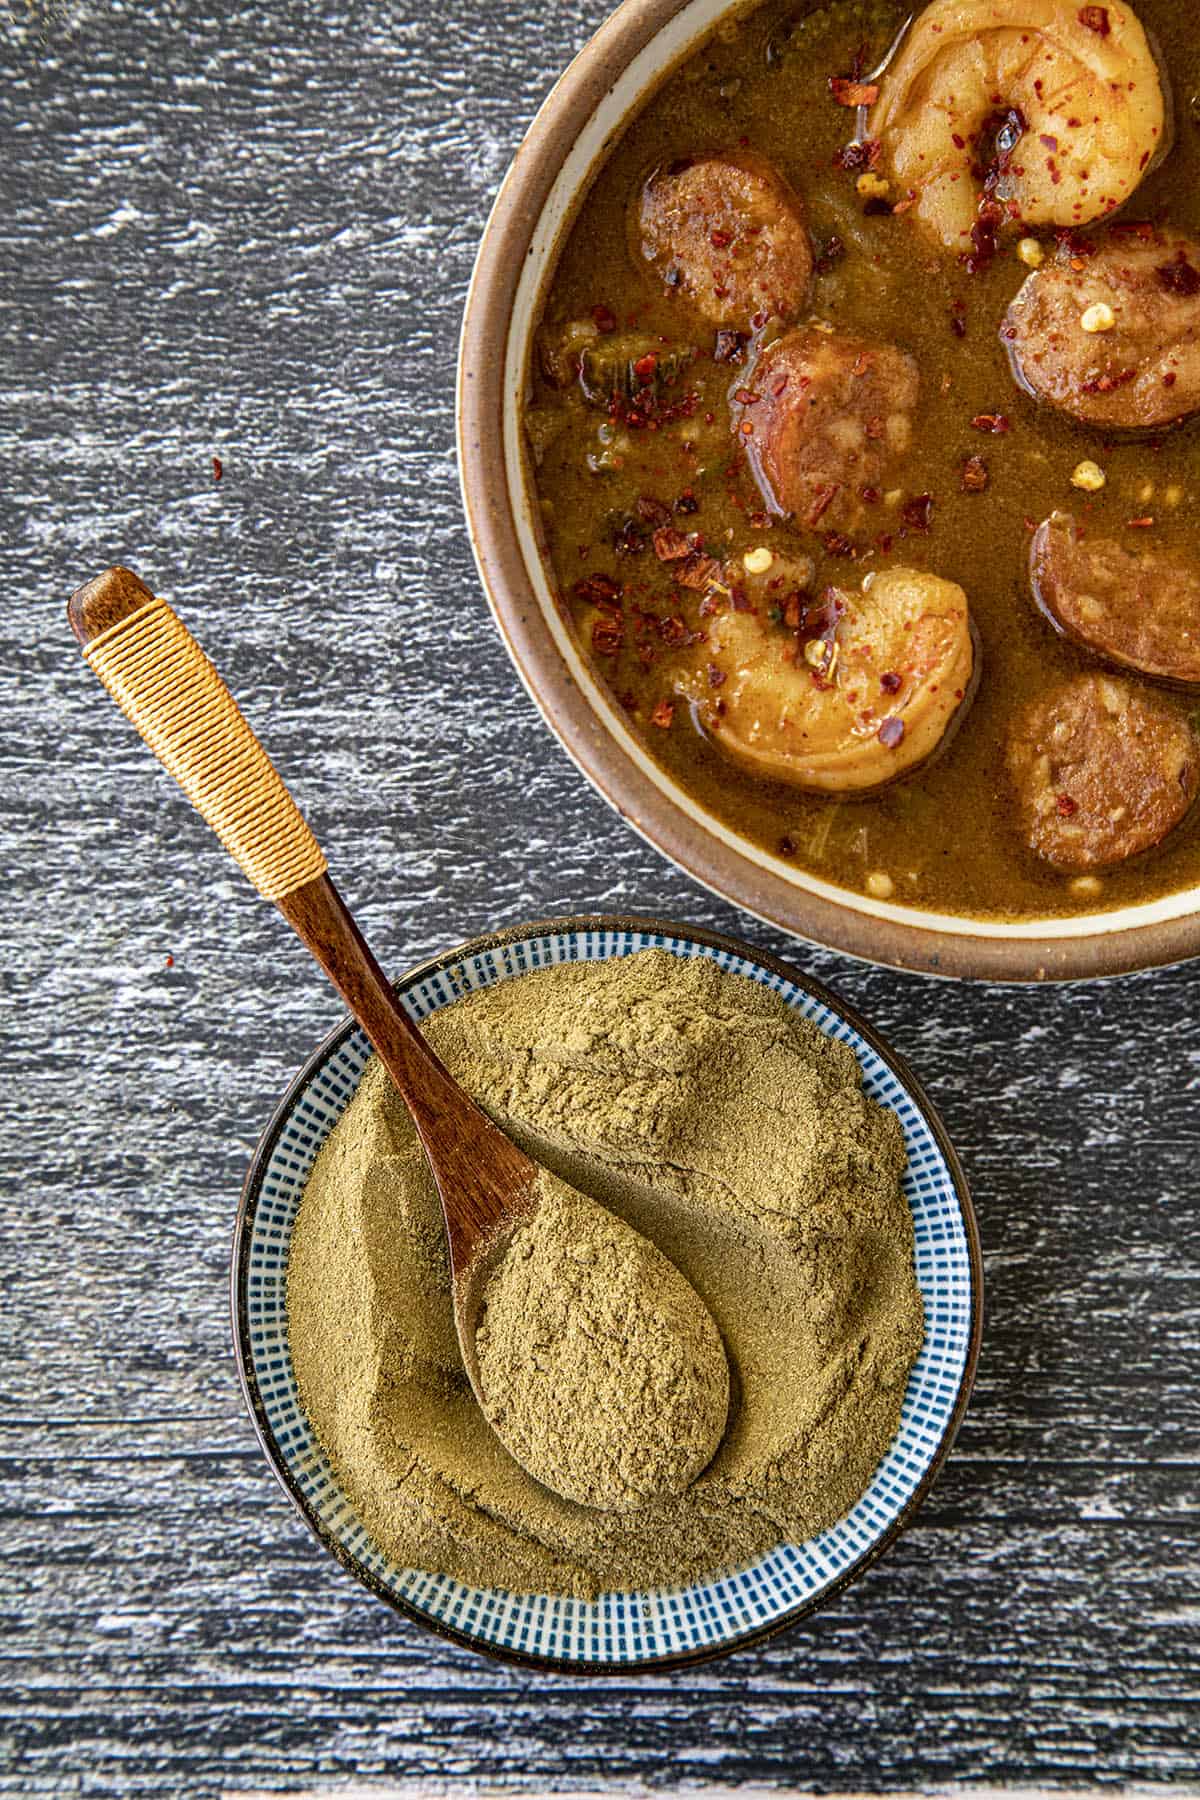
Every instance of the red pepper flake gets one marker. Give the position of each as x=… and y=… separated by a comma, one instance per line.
x=1179, y=277
x=1138, y=228
x=653, y=511
x=608, y=634
x=746, y=396
x=854, y=158
x=715, y=676
x=730, y=347
x=687, y=502
x=918, y=513
x=1051, y=143
x=604, y=318
x=975, y=475
x=170, y=962
x=218, y=468
x=826, y=493
x=985, y=231
x=646, y=413
x=891, y=732
x=740, y=600
x=719, y=239
x=1067, y=807
x=697, y=572
x=627, y=539
x=1139, y=524
x=670, y=544
x=644, y=368
x=1095, y=18
x=853, y=93
x=1075, y=244
x=890, y=683
x=838, y=544
x=1107, y=384
x=870, y=496
x=663, y=714
x=996, y=423
x=598, y=590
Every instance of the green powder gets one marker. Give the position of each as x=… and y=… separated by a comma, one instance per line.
x=599, y=1366
x=733, y=1135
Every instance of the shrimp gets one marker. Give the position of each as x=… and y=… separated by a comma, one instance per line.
x=862, y=688
x=1042, y=112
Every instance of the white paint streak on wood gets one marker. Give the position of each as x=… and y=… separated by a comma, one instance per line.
x=440, y=1790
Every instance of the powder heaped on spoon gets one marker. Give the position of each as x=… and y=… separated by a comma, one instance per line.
x=600, y=1366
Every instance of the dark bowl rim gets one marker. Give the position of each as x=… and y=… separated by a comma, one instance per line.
x=581, y=718
x=243, y=1353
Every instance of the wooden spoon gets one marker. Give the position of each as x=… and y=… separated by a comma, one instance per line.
x=161, y=679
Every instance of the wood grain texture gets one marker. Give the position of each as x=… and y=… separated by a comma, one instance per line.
x=246, y=232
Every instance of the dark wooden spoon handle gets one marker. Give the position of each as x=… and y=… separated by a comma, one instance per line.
x=163, y=682
x=481, y=1175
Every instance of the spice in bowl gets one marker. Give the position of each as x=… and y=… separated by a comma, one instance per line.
x=700, y=1109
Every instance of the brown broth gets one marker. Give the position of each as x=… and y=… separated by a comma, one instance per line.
x=945, y=836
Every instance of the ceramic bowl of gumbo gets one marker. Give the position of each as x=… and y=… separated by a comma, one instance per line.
x=829, y=458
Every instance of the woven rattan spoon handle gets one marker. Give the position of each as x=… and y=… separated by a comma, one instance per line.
x=161, y=679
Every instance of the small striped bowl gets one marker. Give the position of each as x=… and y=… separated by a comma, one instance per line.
x=664, y=1628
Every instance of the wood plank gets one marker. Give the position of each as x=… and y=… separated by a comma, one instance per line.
x=247, y=232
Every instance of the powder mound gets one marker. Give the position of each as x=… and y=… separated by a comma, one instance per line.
x=716, y=1121
x=601, y=1368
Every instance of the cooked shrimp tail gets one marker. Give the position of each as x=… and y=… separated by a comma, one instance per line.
x=1019, y=112
x=858, y=689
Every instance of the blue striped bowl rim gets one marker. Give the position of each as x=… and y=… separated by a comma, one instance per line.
x=663, y=1627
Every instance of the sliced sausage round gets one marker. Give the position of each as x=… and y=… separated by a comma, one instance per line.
x=1140, y=610
x=728, y=233
x=1101, y=770
x=825, y=420
x=1112, y=336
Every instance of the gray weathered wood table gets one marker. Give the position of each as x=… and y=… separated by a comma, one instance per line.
x=246, y=232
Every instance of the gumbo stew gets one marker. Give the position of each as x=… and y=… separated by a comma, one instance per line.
x=861, y=415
